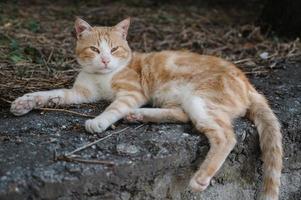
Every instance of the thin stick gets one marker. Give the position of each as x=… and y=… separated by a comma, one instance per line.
x=93, y=161
x=139, y=126
x=256, y=72
x=242, y=60
x=5, y=100
x=50, y=56
x=144, y=131
x=66, y=111
x=92, y=143
x=71, y=112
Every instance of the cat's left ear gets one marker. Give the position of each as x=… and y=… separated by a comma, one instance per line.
x=81, y=27
x=123, y=27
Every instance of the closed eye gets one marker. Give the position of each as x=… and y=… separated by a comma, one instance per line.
x=94, y=49
x=114, y=49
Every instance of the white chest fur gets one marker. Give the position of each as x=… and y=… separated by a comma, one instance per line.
x=103, y=86
x=99, y=84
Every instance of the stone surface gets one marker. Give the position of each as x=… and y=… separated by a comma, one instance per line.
x=151, y=162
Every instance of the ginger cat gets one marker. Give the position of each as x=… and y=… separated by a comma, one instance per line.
x=208, y=91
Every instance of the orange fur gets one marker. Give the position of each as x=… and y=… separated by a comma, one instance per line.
x=206, y=90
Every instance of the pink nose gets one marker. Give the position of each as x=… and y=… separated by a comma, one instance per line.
x=105, y=60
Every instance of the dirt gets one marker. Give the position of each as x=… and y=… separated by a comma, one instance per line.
x=150, y=161
x=163, y=159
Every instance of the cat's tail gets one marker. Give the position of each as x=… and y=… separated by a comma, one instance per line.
x=270, y=143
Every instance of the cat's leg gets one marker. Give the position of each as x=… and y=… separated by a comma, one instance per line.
x=124, y=103
x=218, y=130
x=222, y=141
x=78, y=94
x=158, y=115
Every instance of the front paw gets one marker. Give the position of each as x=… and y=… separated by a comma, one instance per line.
x=96, y=125
x=24, y=104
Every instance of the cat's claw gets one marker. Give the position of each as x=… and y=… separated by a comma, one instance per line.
x=134, y=118
x=24, y=104
x=96, y=125
x=199, y=184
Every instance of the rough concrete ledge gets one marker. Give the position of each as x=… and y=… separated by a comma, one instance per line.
x=151, y=162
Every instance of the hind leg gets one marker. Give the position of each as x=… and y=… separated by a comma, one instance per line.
x=158, y=115
x=222, y=141
x=218, y=130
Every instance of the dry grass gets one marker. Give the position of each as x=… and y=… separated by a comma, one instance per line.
x=37, y=47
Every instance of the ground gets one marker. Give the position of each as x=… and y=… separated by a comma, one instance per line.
x=141, y=162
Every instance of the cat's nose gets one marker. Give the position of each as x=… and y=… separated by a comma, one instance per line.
x=105, y=60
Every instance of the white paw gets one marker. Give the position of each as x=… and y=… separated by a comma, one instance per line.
x=134, y=118
x=96, y=125
x=24, y=104
x=199, y=184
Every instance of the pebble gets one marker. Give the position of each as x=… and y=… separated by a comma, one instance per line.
x=108, y=174
x=212, y=182
x=243, y=135
x=127, y=149
x=264, y=55
x=73, y=169
x=185, y=135
x=125, y=196
x=163, y=151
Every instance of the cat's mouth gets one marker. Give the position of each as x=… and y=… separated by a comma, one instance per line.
x=104, y=67
x=98, y=70
x=105, y=70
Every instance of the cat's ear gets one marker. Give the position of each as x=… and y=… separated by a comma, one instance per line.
x=123, y=27
x=81, y=27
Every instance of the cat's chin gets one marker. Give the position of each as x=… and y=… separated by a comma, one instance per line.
x=98, y=71
x=105, y=71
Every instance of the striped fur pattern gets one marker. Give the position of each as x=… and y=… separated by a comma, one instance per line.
x=182, y=86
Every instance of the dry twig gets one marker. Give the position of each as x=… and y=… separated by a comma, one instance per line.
x=69, y=157
x=66, y=111
x=94, y=142
x=80, y=160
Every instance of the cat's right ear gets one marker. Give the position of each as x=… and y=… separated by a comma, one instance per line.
x=123, y=27
x=81, y=27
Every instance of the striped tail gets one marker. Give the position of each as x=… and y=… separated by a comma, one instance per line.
x=270, y=143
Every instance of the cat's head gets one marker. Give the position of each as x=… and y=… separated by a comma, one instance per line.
x=102, y=49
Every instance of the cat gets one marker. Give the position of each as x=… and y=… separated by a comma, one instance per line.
x=182, y=86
